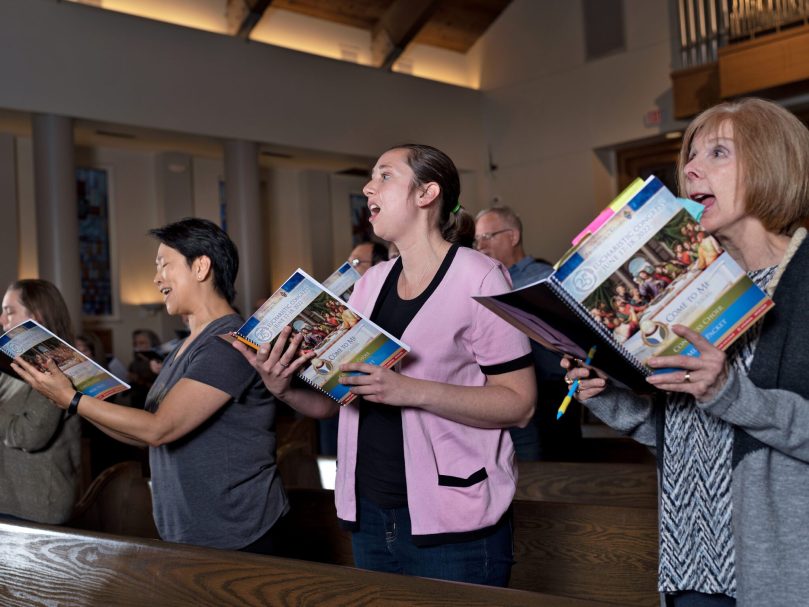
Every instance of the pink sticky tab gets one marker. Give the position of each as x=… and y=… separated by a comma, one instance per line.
x=594, y=225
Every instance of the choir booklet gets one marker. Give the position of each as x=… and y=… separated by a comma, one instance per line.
x=648, y=266
x=342, y=280
x=332, y=330
x=36, y=344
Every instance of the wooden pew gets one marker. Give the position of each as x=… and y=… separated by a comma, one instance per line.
x=52, y=566
x=624, y=450
x=311, y=531
x=632, y=485
x=118, y=501
x=608, y=553
x=587, y=530
x=586, y=551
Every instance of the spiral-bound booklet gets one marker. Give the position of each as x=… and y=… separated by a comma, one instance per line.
x=342, y=280
x=36, y=345
x=331, y=329
x=647, y=267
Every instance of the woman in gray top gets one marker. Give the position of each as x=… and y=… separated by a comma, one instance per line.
x=40, y=447
x=732, y=436
x=209, y=420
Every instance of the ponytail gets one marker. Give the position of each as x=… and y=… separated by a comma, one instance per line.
x=431, y=164
x=459, y=228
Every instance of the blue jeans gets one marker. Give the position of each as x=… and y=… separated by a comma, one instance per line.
x=384, y=542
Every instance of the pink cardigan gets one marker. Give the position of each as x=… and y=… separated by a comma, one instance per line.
x=459, y=478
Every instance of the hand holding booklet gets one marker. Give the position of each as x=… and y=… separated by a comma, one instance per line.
x=36, y=345
x=644, y=265
x=332, y=331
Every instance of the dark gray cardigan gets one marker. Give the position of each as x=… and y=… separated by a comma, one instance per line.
x=769, y=410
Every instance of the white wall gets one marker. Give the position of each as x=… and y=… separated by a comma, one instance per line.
x=547, y=110
x=287, y=231
x=209, y=15
x=79, y=61
x=208, y=172
x=297, y=31
x=341, y=188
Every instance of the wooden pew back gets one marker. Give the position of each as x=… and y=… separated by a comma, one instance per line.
x=47, y=565
x=118, y=501
x=607, y=484
x=587, y=531
x=606, y=553
x=585, y=551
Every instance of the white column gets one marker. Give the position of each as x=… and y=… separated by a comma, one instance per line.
x=244, y=222
x=56, y=206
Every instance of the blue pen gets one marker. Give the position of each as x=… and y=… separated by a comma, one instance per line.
x=574, y=386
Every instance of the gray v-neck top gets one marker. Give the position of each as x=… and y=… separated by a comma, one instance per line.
x=217, y=486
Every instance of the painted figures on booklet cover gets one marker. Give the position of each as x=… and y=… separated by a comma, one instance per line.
x=332, y=332
x=36, y=345
x=654, y=266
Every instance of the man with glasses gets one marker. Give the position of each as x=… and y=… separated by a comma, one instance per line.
x=367, y=254
x=498, y=234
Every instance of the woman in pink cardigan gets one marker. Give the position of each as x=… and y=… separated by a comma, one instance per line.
x=426, y=470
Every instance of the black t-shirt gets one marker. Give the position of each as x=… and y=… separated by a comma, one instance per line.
x=380, y=470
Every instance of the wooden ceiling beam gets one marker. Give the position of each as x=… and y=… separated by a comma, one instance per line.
x=403, y=20
x=244, y=15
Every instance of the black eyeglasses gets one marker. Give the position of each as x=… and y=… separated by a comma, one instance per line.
x=489, y=235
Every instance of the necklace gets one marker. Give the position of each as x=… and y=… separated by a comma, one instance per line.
x=411, y=285
x=410, y=289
